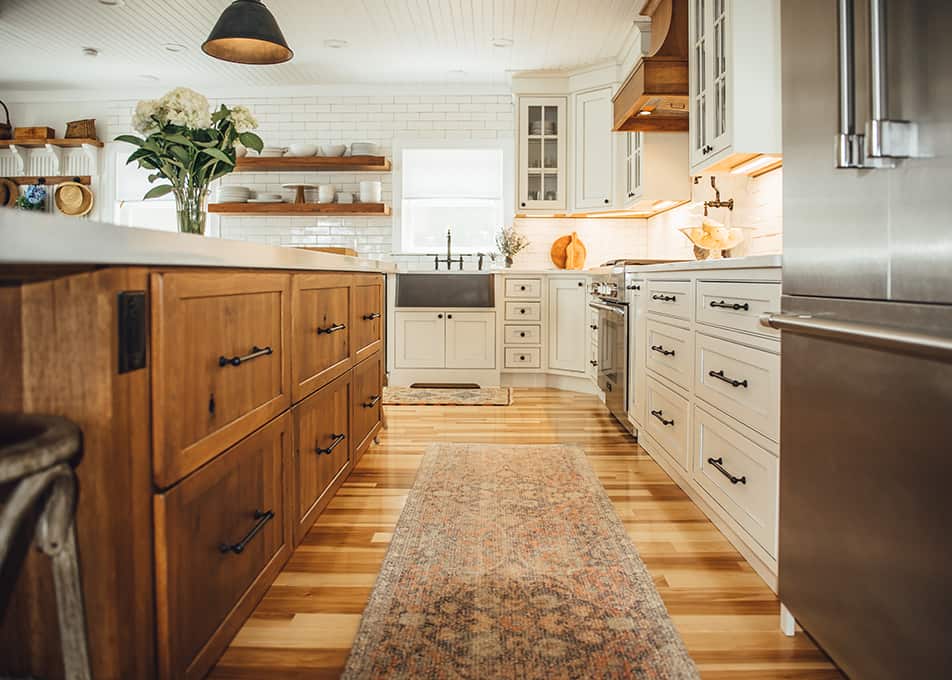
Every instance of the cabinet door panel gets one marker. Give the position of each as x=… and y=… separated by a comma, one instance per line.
x=322, y=330
x=594, y=146
x=420, y=339
x=471, y=340
x=568, y=336
x=368, y=315
x=542, y=153
x=366, y=408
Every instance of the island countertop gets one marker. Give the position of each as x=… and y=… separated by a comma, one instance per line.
x=32, y=239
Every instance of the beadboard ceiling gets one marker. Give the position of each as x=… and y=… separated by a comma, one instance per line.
x=390, y=41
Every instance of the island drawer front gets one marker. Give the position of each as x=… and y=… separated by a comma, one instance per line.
x=667, y=421
x=523, y=357
x=523, y=311
x=523, y=288
x=662, y=340
x=367, y=402
x=523, y=335
x=322, y=446
x=751, y=500
x=221, y=537
x=738, y=306
x=368, y=315
x=322, y=330
x=742, y=382
x=220, y=363
x=673, y=298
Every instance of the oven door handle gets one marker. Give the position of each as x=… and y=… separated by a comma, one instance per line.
x=620, y=310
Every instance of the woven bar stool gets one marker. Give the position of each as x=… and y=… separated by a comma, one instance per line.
x=35, y=452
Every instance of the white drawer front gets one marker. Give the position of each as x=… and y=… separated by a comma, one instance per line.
x=524, y=288
x=523, y=335
x=739, y=475
x=738, y=305
x=670, y=297
x=519, y=357
x=742, y=382
x=523, y=311
x=669, y=352
x=667, y=421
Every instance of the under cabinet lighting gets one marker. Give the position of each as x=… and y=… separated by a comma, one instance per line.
x=757, y=165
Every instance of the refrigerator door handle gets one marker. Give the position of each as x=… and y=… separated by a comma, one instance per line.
x=882, y=337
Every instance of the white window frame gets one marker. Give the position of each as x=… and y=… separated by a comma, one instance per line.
x=505, y=144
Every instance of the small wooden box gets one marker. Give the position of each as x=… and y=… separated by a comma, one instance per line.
x=33, y=133
x=81, y=129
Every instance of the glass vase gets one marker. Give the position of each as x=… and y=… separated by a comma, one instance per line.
x=191, y=209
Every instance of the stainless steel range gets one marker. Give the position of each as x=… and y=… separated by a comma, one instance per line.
x=609, y=300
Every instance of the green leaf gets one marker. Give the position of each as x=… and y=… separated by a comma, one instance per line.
x=177, y=138
x=138, y=154
x=180, y=154
x=220, y=114
x=154, y=176
x=160, y=190
x=251, y=140
x=130, y=139
x=220, y=155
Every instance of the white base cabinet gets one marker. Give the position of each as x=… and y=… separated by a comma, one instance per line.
x=470, y=340
x=419, y=339
x=568, y=318
x=445, y=339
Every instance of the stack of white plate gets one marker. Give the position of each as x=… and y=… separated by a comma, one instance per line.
x=266, y=198
x=233, y=194
x=363, y=149
x=536, y=128
x=273, y=151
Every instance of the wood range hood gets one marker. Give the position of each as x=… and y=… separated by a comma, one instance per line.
x=654, y=98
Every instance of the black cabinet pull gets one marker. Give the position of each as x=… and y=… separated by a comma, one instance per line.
x=261, y=518
x=371, y=316
x=730, y=381
x=439, y=316
x=659, y=414
x=449, y=316
x=331, y=329
x=522, y=311
x=522, y=334
x=664, y=298
x=374, y=400
x=581, y=283
x=661, y=350
x=630, y=194
x=607, y=201
x=593, y=326
x=338, y=438
x=719, y=464
x=522, y=287
x=593, y=362
x=634, y=286
x=238, y=361
x=728, y=305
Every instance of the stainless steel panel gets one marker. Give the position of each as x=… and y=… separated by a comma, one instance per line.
x=445, y=290
x=613, y=358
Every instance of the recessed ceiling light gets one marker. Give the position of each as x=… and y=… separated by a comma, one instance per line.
x=113, y=3
x=335, y=43
x=148, y=76
x=174, y=47
x=457, y=72
x=502, y=42
x=90, y=51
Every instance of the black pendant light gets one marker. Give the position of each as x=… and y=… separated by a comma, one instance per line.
x=246, y=33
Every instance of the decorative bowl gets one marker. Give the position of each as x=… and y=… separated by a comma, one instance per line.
x=302, y=150
x=712, y=238
x=363, y=149
x=333, y=150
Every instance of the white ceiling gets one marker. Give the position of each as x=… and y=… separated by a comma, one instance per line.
x=391, y=41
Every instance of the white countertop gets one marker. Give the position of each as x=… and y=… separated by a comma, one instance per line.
x=514, y=272
x=27, y=238
x=750, y=262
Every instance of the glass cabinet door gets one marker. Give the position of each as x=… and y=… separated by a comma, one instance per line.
x=698, y=22
x=719, y=75
x=634, y=165
x=543, y=148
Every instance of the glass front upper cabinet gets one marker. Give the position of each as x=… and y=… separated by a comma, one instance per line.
x=541, y=153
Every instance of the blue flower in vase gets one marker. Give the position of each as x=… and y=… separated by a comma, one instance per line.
x=34, y=198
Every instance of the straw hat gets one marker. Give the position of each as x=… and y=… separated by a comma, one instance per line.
x=8, y=192
x=73, y=198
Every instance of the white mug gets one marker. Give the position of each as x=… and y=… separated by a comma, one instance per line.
x=325, y=193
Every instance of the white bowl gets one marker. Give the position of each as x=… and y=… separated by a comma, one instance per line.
x=333, y=150
x=371, y=191
x=363, y=149
x=302, y=150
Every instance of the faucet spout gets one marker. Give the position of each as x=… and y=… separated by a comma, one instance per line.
x=449, y=245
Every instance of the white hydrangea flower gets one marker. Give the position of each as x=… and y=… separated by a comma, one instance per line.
x=187, y=108
x=243, y=119
x=142, y=119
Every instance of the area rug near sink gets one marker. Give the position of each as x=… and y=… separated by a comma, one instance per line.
x=424, y=396
x=510, y=562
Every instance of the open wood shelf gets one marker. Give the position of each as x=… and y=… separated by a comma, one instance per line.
x=296, y=209
x=39, y=143
x=313, y=164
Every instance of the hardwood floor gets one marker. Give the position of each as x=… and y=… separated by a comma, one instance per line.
x=727, y=616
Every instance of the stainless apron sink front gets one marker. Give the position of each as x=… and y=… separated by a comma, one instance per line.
x=445, y=290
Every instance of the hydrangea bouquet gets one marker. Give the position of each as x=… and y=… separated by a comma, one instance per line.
x=188, y=146
x=34, y=198
x=510, y=243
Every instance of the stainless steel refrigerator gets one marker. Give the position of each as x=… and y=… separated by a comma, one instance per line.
x=865, y=562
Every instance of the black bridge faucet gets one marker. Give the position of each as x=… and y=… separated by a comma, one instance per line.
x=449, y=260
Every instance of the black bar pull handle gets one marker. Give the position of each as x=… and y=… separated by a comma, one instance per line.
x=661, y=350
x=659, y=414
x=593, y=362
x=727, y=305
x=238, y=361
x=338, y=438
x=730, y=381
x=719, y=464
x=593, y=326
x=665, y=298
x=634, y=286
x=261, y=518
x=374, y=400
x=371, y=316
x=331, y=329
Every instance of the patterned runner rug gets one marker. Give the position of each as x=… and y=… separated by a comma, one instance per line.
x=421, y=396
x=510, y=562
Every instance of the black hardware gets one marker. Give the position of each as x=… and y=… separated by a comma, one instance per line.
x=522, y=334
x=581, y=283
x=211, y=403
x=439, y=316
x=239, y=547
x=237, y=361
x=607, y=201
x=338, y=438
x=449, y=316
x=661, y=350
x=522, y=357
x=522, y=311
x=727, y=305
x=593, y=362
x=331, y=329
x=634, y=286
x=659, y=414
x=665, y=298
x=630, y=194
x=593, y=326
x=522, y=287
x=730, y=381
x=371, y=316
x=374, y=400
x=523, y=204
x=132, y=313
x=719, y=464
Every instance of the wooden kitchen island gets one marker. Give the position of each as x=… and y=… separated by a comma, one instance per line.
x=225, y=391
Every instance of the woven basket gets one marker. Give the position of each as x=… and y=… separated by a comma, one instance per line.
x=85, y=129
x=6, y=130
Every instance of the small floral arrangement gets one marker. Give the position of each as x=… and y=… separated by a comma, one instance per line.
x=188, y=146
x=34, y=198
x=510, y=243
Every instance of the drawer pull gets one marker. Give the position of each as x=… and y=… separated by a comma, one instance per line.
x=727, y=305
x=522, y=310
x=730, y=381
x=522, y=334
x=332, y=329
x=239, y=547
x=593, y=326
x=371, y=316
x=338, y=438
x=659, y=414
x=237, y=361
x=633, y=286
x=665, y=298
x=593, y=362
x=661, y=350
x=374, y=400
x=719, y=464
x=522, y=287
